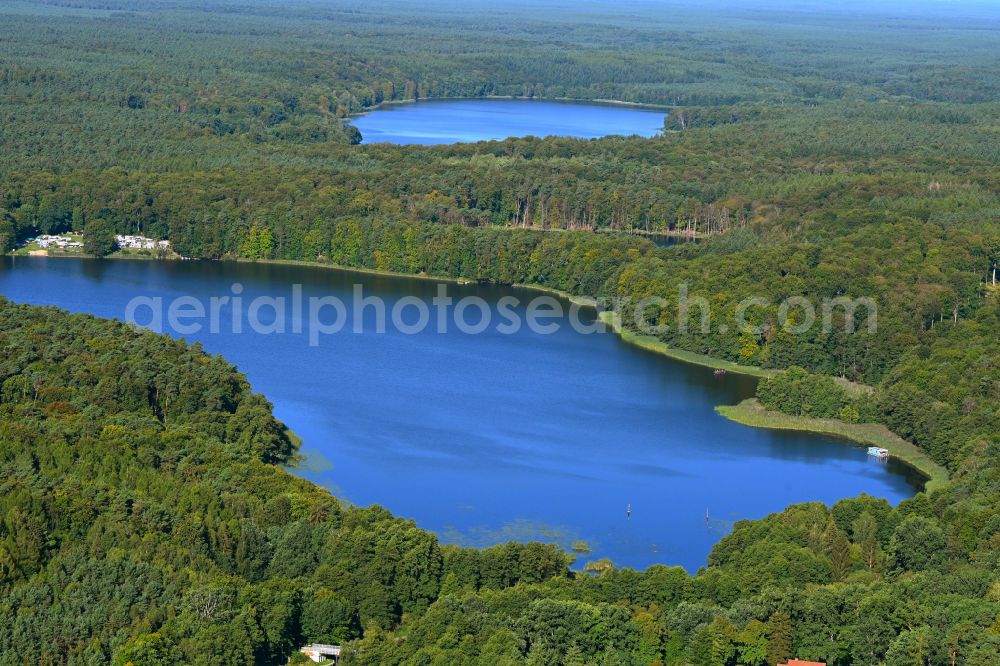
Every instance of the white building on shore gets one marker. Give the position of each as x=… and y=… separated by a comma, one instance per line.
x=141, y=243
x=46, y=241
x=319, y=652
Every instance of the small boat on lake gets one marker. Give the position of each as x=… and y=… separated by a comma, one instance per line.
x=878, y=452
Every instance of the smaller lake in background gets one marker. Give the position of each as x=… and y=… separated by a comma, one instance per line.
x=469, y=120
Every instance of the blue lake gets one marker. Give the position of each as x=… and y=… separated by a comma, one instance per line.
x=490, y=437
x=461, y=120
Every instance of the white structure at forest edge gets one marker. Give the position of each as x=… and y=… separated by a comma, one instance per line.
x=141, y=242
x=318, y=652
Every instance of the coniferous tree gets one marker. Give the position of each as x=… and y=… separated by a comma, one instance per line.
x=779, y=638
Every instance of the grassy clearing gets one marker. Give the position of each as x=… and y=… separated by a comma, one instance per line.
x=33, y=247
x=751, y=413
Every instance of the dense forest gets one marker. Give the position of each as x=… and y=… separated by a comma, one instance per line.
x=166, y=84
x=145, y=517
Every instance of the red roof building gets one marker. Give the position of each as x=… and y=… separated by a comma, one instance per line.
x=799, y=662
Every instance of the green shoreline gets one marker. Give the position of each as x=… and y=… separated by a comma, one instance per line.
x=751, y=413
x=609, y=318
x=569, y=100
x=652, y=344
x=747, y=413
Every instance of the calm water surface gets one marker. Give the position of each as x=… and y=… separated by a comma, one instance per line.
x=452, y=121
x=485, y=438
